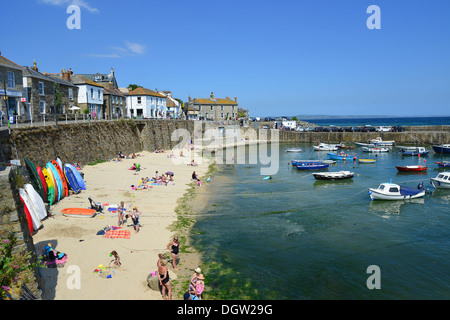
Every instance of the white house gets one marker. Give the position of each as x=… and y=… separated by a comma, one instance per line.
x=145, y=103
x=90, y=95
x=174, y=109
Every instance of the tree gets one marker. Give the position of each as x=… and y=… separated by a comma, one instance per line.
x=133, y=86
x=294, y=118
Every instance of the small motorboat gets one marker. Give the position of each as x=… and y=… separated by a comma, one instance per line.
x=312, y=166
x=392, y=191
x=362, y=144
x=78, y=212
x=341, y=156
x=442, y=180
x=299, y=162
x=420, y=151
x=367, y=160
x=443, y=148
x=293, y=150
x=407, y=148
x=443, y=164
x=375, y=149
x=379, y=142
x=325, y=147
x=343, y=146
x=339, y=175
x=418, y=168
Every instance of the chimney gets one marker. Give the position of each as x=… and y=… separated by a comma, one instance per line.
x=66, y=74
x=34, y=66
x=212, y=95
x=235, y=99
x=189, y=98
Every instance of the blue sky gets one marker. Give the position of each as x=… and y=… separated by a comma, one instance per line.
x=285, y=57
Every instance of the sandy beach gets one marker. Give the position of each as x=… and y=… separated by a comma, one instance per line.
x=109, y=183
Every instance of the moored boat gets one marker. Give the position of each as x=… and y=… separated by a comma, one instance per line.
x=418, y=168
x=420, y=151
x=375, y=149
x=325, y=147
x=341, y=156
x=312, y=166
x=293, y=150
x=299, y=162
x=392, y=191
x=443, y=148
x=442, y=180
x=379, y=142
x=339, y=175
x=367, y=160
x=362, y=144
x=443, y=164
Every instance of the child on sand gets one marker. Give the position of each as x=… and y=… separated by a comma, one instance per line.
x=116, y=258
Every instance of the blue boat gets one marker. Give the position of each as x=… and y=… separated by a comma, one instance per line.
x=443, y=148
x=420, y=151
x=312, y=166
x=341, y=156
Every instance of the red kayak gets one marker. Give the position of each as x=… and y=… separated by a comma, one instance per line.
x=78, y=212
x=412, y=168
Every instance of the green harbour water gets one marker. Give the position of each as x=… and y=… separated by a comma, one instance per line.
x=295, y=238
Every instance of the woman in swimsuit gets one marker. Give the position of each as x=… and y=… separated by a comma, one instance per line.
x=174, y=247
x=164, y=280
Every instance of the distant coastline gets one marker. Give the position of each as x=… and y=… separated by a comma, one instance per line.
x=318, y=116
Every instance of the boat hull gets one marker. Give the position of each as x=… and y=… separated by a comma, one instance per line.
x=376, y=195
x=78, y=212
x=439, y=184
x=412, y=168
x=313, y=166
x=367, y=160
x=334, y=156
x=332, y=176
x=441, y=149
x=413, y=153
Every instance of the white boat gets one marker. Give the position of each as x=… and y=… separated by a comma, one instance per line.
x=379, y=142
x=293, y=150
x=375, y=149
x=362, y=144
x=339, y=175
x=407, y=148
x=325, y=147
x=442, y=180
x=392, y=191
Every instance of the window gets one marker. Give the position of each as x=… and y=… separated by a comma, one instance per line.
x=199, y=108
x=41, y=88
x=42, y=106
x=139, y=100
x=11, y=80
x=99, y=95
x=393, y=189
x=221, y=108
x=211, y=108
x=221, y=115
x=70, y=94
x=92, y=93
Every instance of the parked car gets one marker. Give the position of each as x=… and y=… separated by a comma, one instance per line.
x=318, y=129
x=356, y=129
x=334, y=129
x=348, y=129
x=397, y=129
x=310, y=129
x=383, y=129
x=300, y=129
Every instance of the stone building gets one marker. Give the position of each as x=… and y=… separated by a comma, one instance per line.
x=40, y=94
x=216, y=109
x=11, y=88
x=108, y=81
x=114, y=103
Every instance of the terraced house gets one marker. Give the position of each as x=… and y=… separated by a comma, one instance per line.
x=11, y=88
x=145, y=103
x=216, y=109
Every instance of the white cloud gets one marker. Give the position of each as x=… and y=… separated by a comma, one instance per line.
x=135, y=47
x=80, y=3
x=130, y=49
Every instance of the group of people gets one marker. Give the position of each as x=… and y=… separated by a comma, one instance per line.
x=135, y=216
x=164, y=179
x=196, y=283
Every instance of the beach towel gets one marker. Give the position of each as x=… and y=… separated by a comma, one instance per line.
x=115, y=234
